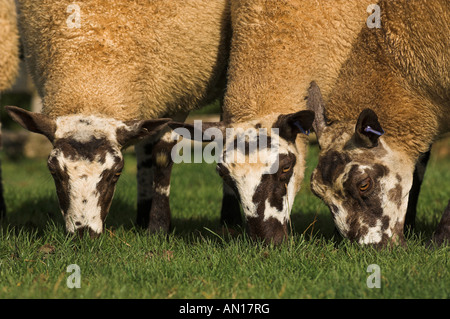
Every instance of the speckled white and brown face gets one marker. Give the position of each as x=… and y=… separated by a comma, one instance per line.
x=263, y=162
x=86, y=161
x=366, y=189
x=363, y=180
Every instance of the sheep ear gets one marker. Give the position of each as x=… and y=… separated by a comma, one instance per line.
x=368, y=130
x=201, y=132
x=315, y=103
x=137, y=130
x=34, y=122
x=295, y=123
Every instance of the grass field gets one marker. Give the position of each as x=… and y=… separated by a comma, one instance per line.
x=197, y=260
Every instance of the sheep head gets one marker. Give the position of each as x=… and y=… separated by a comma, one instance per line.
x=263, y=162
x=86, y=161
x=364, y=180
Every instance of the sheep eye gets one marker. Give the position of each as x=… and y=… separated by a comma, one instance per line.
x=365, y=185
x=286, y=169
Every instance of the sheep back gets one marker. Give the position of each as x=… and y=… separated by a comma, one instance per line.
x=279, y=47
x=124, y=59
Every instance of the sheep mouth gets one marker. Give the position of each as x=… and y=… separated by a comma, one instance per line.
x=87, y=231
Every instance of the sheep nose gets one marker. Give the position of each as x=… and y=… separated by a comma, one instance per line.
x=86, y=229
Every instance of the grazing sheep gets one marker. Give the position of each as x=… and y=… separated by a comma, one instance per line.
x=278, y=48
x=9, y=59
x=103, y=70
x=390, y=102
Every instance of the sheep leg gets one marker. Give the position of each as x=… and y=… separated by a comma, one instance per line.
x=418, y=176
x=154, y=167
x=442, y=233
x=162, y=162
x=144, y=180
x=230, y=214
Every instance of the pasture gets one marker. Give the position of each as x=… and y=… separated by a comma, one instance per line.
x=198, y=259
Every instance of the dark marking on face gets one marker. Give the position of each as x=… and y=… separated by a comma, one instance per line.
x=82, y=230
x=261, y=141
x=395, y=195
x=61, y=178
x=86, y=122
x=272, y=188
x=270, y=231
x=385, y=222
x=75, y=150
x=398, y=236
x=355, y=229
x=106, y=186
x=366, y=206
x=331, y=165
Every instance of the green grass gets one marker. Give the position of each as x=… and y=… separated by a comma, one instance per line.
x=197, y=260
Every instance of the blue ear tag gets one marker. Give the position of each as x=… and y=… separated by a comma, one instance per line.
x=301, y=128
x=371, y=130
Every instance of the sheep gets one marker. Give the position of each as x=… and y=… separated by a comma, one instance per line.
x=389, y=103
x=9, y=60
x=277, y=49
x=110, y=73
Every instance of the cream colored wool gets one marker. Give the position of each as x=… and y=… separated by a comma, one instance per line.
x=128, y=59
x=9, y=44
x=279, y=47
x=402, y=72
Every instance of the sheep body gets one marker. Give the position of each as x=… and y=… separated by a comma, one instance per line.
x=9, y=45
